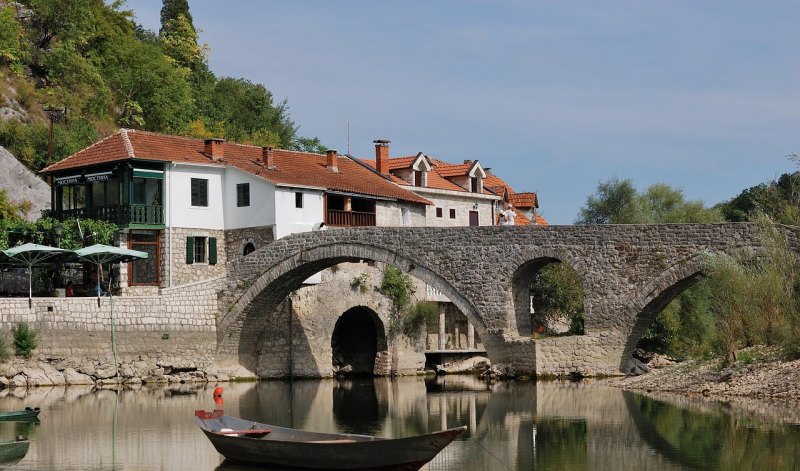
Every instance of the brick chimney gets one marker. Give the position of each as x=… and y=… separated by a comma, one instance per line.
x=382, y=156
x=468, y=162
x=268, y=157
x=331, y=161
x=215, y=148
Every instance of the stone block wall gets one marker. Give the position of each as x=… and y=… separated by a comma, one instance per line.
x=178, y=327
x=183, y=273
x=236, y=239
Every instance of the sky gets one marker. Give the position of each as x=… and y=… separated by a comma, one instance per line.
x=553, y=96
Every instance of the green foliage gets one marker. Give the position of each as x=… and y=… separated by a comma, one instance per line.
x=755, y=301
x=360, y=282
x=419, y=315
x=90, y=57
x=24, y=339
x=557, y=291
x=12, y=48
x=171, y=10
x=13, y=232
x=4, y=348
x=618, y=202
x=780, y=200
x=398, y=287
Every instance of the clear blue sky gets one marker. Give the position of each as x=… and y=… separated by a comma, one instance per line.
x=554, y=96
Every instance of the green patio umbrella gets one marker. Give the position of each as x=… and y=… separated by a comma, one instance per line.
x=29, y=255
x=100, y=254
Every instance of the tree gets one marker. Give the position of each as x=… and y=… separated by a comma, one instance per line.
x=615, y=202
x=171, y=10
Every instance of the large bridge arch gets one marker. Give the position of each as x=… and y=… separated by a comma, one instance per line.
x=527, y=264
x=239, y=328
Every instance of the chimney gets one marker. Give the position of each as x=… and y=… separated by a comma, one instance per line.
x=468, y=162
x=331, y=161
x=382, y=156
x=215, y=148
x=268, y=157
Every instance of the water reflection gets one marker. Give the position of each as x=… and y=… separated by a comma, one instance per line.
x=513, y=426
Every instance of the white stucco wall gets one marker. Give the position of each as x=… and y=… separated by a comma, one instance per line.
x=390, y=213
x=289, y=219
x=180, y=212
x=261, y=211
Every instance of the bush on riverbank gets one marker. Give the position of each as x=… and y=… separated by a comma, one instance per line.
x=24, y=339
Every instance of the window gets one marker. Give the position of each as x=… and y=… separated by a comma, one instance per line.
x=405, y=216
x=438, y=212
x=242, y=195
x=248, y=249
x=452, y=213
x=201, y=248
x=200, y=192
x=298, y=199
x=420, y=178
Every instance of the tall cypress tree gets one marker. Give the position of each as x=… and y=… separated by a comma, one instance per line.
x=170, y=10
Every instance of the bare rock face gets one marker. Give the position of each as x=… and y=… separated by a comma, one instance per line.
x=20, y=184
x=73, y=377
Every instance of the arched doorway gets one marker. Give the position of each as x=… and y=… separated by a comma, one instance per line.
x=357, y=338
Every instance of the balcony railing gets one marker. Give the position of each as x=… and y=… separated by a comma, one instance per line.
x=123, y=215
x=349, y=218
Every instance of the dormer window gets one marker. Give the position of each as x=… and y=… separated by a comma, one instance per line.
x=476, y=184
x=420, y=178
x=421, y=166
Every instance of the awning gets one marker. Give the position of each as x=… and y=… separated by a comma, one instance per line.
x=147, y=173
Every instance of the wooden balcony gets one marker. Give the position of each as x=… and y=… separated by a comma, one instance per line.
x=141, y=215
x=349, y=218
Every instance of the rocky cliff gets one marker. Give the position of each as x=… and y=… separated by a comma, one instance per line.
x=20, y=184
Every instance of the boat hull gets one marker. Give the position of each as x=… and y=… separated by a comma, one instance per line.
x=308, y=450
x=27, y=415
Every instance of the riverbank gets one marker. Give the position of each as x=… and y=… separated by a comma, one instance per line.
x=22, y=373
x=757, y=374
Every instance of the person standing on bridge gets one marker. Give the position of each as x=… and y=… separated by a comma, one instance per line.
x=507, y=216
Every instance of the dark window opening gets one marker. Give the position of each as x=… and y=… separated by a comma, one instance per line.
x=248, y=249
x=199, y=192
x=298, y=199
x=242, y=194
x=452, y=213
x=200, y=250
x=438, y=212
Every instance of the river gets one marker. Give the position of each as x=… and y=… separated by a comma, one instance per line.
x=511, y=426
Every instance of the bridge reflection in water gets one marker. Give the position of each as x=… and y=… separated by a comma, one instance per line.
x=512, y=426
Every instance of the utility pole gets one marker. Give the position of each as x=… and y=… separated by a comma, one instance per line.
x=54, y=115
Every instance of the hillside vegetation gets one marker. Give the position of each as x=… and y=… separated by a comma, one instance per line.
x=92, y=59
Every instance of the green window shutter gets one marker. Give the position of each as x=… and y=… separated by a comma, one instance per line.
x=189, y=250
x=212, y=250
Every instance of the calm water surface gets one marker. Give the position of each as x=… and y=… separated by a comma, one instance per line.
x=512, y=426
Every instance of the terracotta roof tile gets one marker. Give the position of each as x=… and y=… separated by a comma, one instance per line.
x=524, y=200
x=292, y=167
x=450, y=170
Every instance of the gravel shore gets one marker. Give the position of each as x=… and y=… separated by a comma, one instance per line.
x=764, y=383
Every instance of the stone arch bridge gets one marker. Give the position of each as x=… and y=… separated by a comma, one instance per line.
x=629, y=274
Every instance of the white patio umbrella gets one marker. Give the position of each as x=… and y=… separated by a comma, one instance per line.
x=100, y=254
x=29, y=255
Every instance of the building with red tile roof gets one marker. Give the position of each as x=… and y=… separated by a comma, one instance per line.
x=201, y=202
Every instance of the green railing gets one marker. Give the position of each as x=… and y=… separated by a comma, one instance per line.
x=123, y=215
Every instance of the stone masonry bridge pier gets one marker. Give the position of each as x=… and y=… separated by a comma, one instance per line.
x=629, y=274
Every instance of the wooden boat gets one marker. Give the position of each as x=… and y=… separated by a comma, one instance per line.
x=28, y=415
x=260, y=444
x=13, y=452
